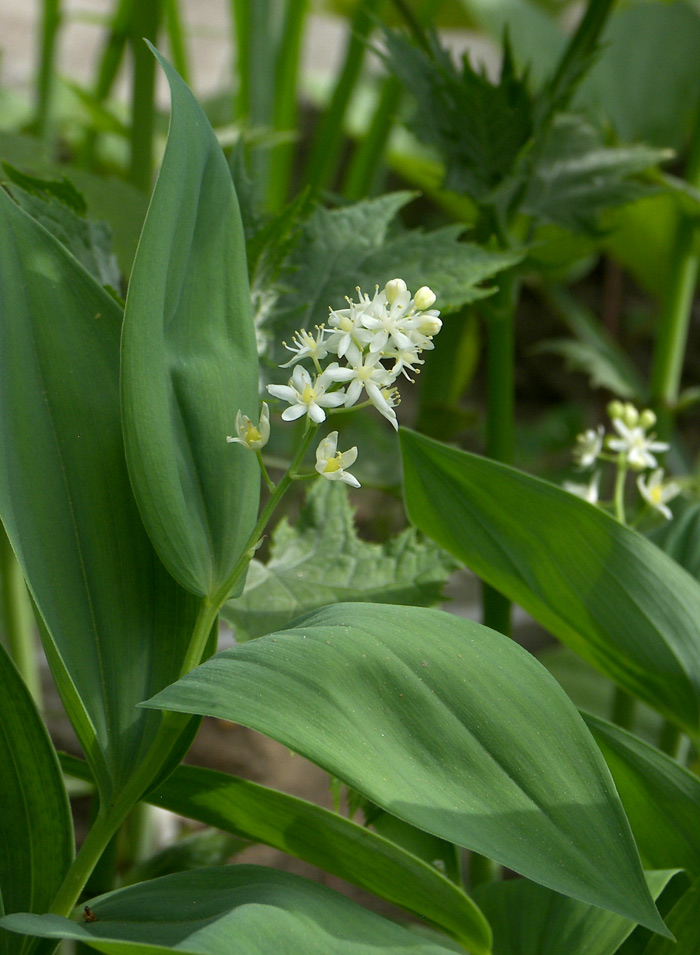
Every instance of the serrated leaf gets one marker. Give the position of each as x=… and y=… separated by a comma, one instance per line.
x=599, y=367
x=340, y=249
x=36, y=828
x=232, y=910
x=478, y=127
x=576, y=177
x=189, y=360
x=321, y=560
x=447, y=725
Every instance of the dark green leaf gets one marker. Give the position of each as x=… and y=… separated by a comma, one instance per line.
x=234, y=910
x=36, y=829
x=189, y=360
x=321, y=560
x=528, y=919
x=445, y=724
x=660, y=797
x=680, y=538
x=684, y=923
x=116, y=624
x=600, y=587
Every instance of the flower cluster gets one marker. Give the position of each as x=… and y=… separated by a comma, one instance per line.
x=633, y=446
x=366, y=347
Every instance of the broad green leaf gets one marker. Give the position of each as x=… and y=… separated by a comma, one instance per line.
x=324, y=839
x=36, y=829
x=115, y=625
x=529, y=919
x=660, y=797
x=598, y=586
x=340, y=249
x=231, y=910
x=680, y=538
x=321, y=560
x=684, y=923
x=61, y=209
x=447, y=725
x=189, y=359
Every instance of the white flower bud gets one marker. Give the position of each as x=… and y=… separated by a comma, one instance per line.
x=616, y=410
x=424, y=298
x=393, y=289
x=647, y=419
x=630, y=416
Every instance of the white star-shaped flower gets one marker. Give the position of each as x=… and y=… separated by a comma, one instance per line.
x=307, y=397
x=588, y=446
x=365, y=372
x=657, y=492
x=247, y=434
x=637, y=446
x=331, y=463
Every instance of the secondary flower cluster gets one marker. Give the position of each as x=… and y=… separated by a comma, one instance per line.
x=368, y=345
x=633, y=447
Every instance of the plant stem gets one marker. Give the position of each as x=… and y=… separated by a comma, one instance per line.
x=481, y=870
x=19, y=620
x=362, y=170
x=619, y=492
x=623, y=707
x=669, y=738
x=145, y=23
x=176, y=37
x=46, y=72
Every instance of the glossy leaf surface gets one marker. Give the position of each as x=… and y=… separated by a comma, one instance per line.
x=230, y=910
x=36, y=829
x=189, y=359
x=115, y=623
x=445, y=724
x=598, y=586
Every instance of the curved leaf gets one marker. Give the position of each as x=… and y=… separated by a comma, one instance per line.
x=230, y=910
x=598, y=586
x=189, y=359
x=114, y=623
x=36, y=828
x=660, y=797
x=447, y=725
x=685, y=925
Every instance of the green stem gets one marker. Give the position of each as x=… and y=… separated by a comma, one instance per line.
x=327, y=144
x=481, y=870
x=679, y=290
x=623, y=707
x=178, y=48
x=19, y=620
x=46, y=72
x=362, y=170
x=669, y=738
x=145, y=23
x=619, y=492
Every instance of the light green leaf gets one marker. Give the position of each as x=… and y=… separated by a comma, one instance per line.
x=324, y=839
x=529, y=919
x=232, y=910
x=189, y=359
x=108, y=607
x=321, y=560
x=36, y=829
x=447, y=725
x=660, y=797
x=340, y=249
x=598, y=586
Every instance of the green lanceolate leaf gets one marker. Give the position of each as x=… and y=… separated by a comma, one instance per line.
x=685, y=925
x=321, y=561
x=115, y=624
x=529, y=919
x=231, y=910
x=598, y=586
x=660, y=797
x=36, y=829
x=322, y=838
x=189, y=360
x=445, y=724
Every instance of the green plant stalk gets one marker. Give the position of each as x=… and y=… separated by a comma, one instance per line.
x=145, y=23
x=19, y=620
x=328, y=141
x=46, y=70
x=176, y=36
x=285, y=111
x=362, y=169
x=481, y=870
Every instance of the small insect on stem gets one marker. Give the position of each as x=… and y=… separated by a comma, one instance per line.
x=89, y=915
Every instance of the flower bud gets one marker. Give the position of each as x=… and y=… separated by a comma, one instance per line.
x=424, y=298
x=393, y=289
x=630, y=416
x=647, y=419
x=430, y=325
x=616, y=410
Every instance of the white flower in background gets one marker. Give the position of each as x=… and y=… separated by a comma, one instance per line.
x=588, y=446
x=657, y=492
x=306, y=345
x=636, y=445
x=246, y=432
x=587, y=492
x=332, y=464
x=307, y=397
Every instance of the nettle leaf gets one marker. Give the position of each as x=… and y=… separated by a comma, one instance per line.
x=36, y=828
x=340, y=249
x=576, y=177
x=478, y=127
x=229, y=910
x=321, y=560
x=61, y=209
x=600, y=367
x=447, y=725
